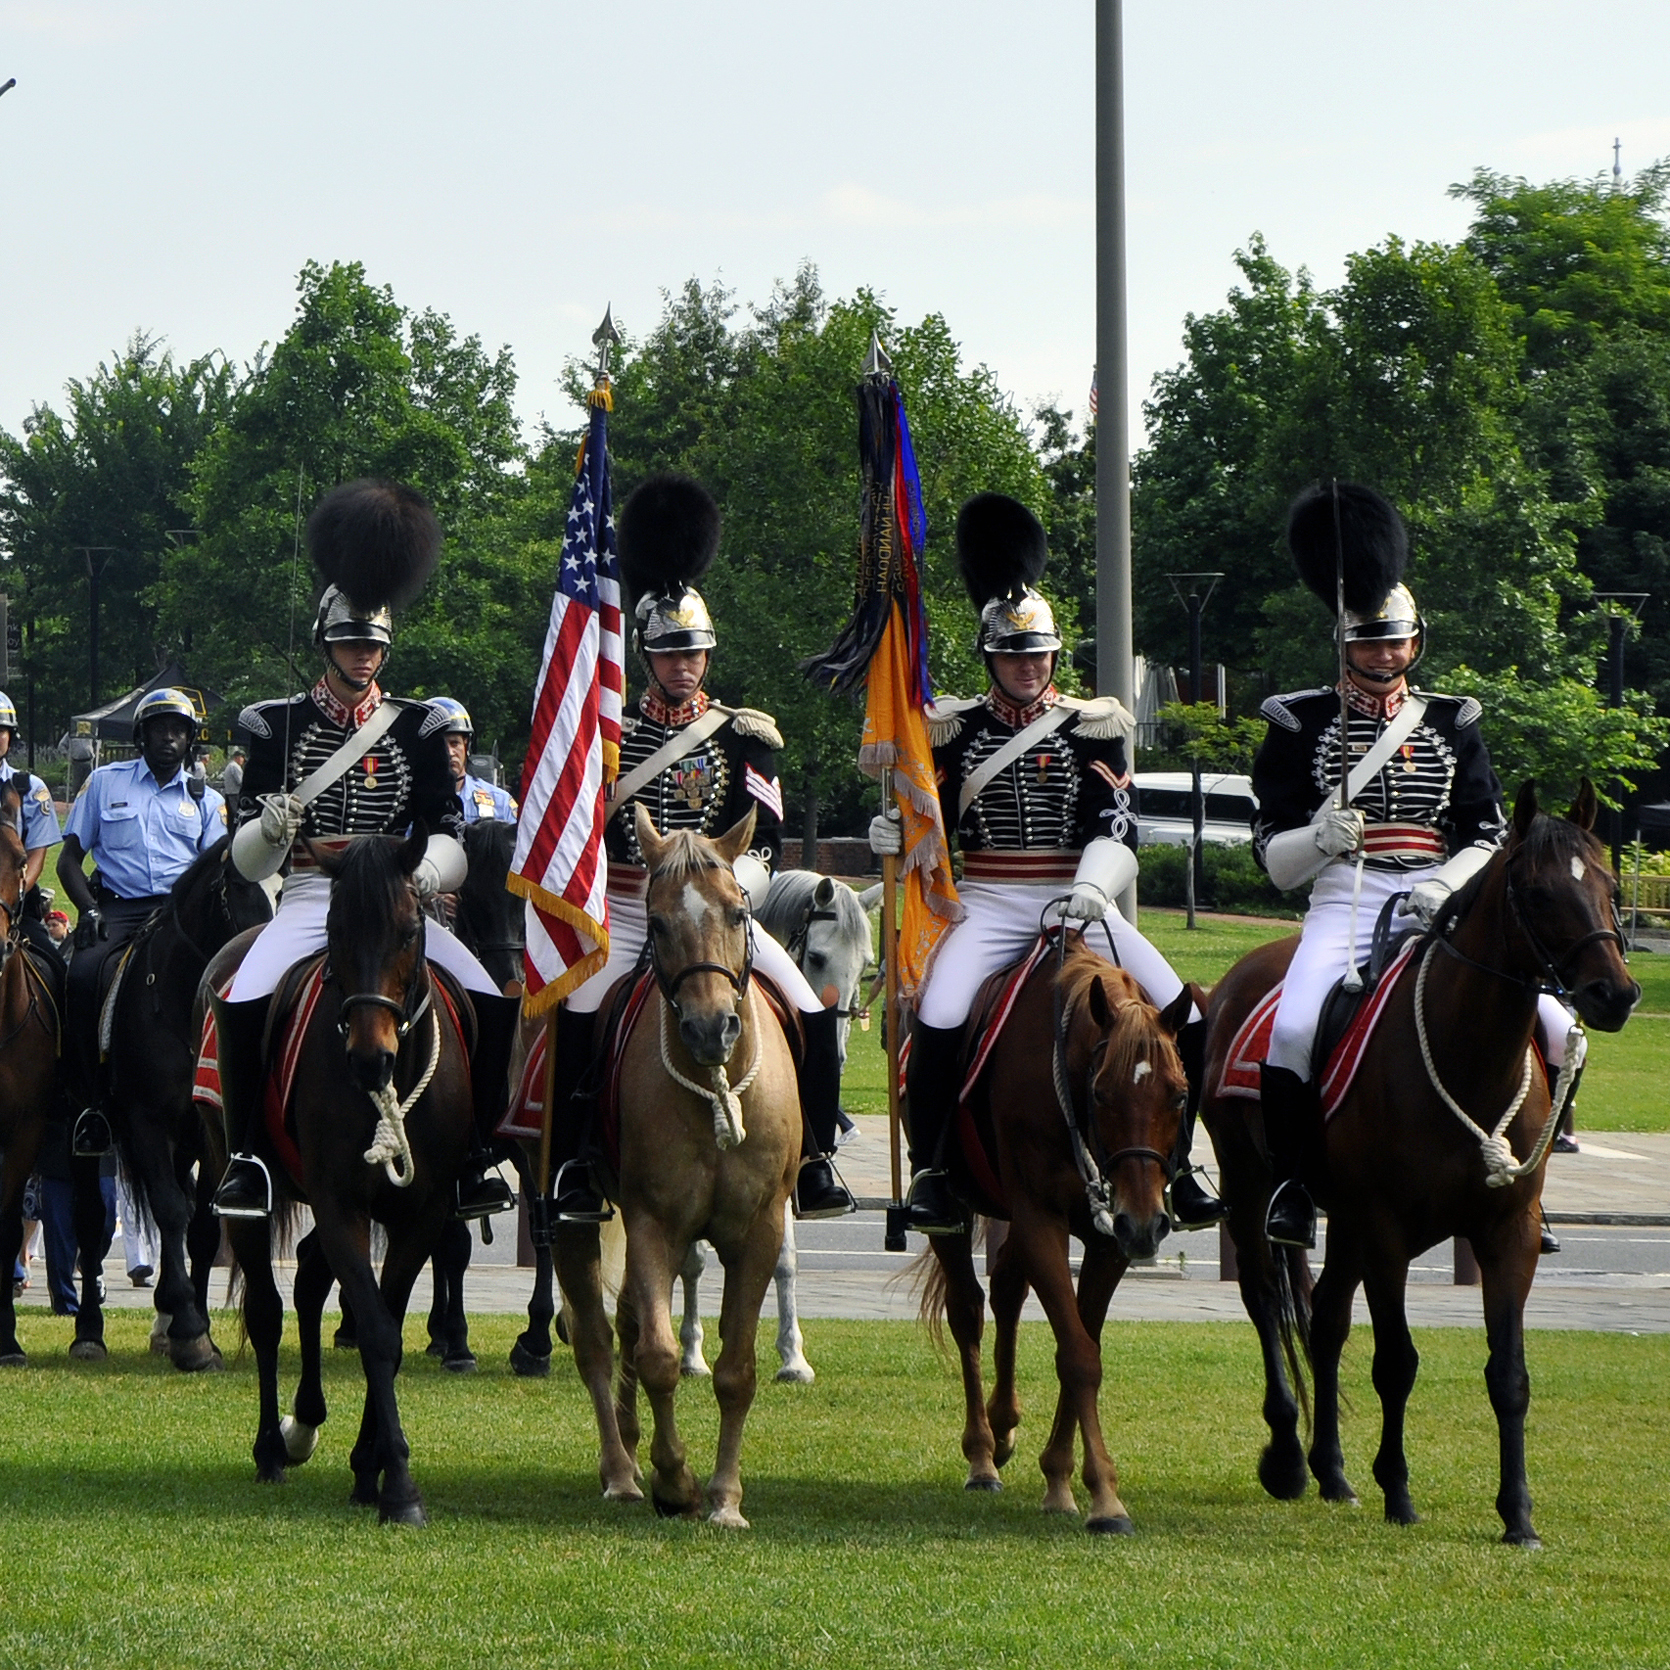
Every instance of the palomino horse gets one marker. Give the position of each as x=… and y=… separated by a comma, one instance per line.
x=152, y=1056
x=28, y=1068
x=704, y=1151
x=1081, y=1135
x=382, y=1071
x=1408, y=1159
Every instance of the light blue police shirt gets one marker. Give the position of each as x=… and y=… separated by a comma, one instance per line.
x=143, y=835
x=40, y=820
x=482, y=800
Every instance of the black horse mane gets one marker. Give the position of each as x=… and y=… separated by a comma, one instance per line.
x=368, y=880
x=1548, y=839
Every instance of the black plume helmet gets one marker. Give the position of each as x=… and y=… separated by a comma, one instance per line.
x=1001, y=551
x=1371, y=536
x=668, y=536
x=375, y=544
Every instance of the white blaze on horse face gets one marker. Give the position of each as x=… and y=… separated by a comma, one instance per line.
x=1578, y=870
x=1141, y=1071
x=696, y=906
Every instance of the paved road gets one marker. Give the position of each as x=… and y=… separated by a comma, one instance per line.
x=1607, y=1277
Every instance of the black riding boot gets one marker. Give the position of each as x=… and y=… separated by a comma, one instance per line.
x=1565, y=1139
x=496, y=1021
x=1292, y=1110
x=246, y=1191
x=576, y=1197
x=818, y=1192
x=932, y=1085
x=1191, y=1206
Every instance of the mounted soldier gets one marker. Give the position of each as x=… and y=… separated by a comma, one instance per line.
x=1421, y=812
x=696, y=765
x=336, y=764
x=40, y=829
x=1037, y=788
x=144, y=822
x=480, y=799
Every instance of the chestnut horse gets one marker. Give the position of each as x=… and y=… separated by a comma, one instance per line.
x=382, y=1067
x=1399, y=1168
x=1113, y=1056
x=709, y=1147
x=29, y=1029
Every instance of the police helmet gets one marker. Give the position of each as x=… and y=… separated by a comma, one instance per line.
x=155, y=704
x=454, y=716
x=8, y=713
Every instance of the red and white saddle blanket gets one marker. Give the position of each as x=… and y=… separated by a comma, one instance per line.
x=1251, y=1043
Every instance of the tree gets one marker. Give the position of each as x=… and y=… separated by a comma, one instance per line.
x=112, y=473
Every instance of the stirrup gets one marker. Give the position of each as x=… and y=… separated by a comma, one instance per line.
x=581, y=1208
x=1290, y=1218
x=91, y=1138
x=928, y=1215
x=492, y=1194
x=819, y=1191
x=235, y=1208
x=1190, y=1205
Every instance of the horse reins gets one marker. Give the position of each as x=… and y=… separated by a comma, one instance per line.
x=407, y=1012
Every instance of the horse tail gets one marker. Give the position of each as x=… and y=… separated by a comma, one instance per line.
x=1293, y=1290
x=927, y=1273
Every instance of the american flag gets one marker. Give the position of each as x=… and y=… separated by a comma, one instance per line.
x=574, y=754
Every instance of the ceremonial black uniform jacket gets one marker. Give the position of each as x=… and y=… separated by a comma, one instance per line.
x=405, y=777
x=1068, y=789
x=1436, y=795
x=708, y=789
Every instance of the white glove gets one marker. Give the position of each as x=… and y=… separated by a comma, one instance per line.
x=1338, y=833
x=1426, y=899
x=886, y=836
x=281, y=818
x=442, y=868
x=1088, y=903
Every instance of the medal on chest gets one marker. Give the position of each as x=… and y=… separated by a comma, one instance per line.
x=371, y=771
x=693, y=781
x=1043, y=769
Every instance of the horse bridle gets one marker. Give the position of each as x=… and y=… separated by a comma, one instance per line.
x=409, y=1009
x=797, y=946
x=668, y=987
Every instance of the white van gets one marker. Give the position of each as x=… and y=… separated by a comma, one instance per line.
x=1163, y=808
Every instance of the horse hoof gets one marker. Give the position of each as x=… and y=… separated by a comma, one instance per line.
x=160, y=1344
x=300, y=1439
x=1003, y=1450
x=345, y=1339
x=365, y=1495
x=622, y=1493
x=1522, y=1539
x=403, y=1513
x=527, y=1364
x=1117, y=1525
x=461, y=1362
x=434, y=1349
x=1283, y=1473
x=562, y=1329
x=1401, y=1515
x=88, y=1351
x=14, y=1359
x=728, y=1517
x=991, y=1484
x=1340, y=1493
x=192, y=1356
x=697, y=1370
x=672, y=1510
x=797, y=1374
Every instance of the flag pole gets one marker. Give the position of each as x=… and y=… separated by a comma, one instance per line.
x=890, y=969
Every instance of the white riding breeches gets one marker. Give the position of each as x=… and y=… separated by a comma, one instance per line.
x=298, y=931
x=1000, y=925
x=628, y=929
x=1327, y=947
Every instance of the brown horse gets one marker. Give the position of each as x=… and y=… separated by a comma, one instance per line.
x=28, y=1066
x=1399, y=1171
x=1114, y=1057
x=698, y=1159
x=382, y=1058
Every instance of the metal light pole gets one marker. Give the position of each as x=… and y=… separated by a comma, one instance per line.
x=1617, y=630
x=1113, y=441
x=94, y=571
x=1194, y=603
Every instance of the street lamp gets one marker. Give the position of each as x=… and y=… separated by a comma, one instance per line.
x=1194, y=602
x=1630, y=604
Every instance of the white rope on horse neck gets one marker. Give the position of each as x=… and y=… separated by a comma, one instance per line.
x=389, y=1147
x=720, y=1094
x=1500, y=1166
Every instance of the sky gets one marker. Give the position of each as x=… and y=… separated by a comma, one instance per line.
x=167, y=165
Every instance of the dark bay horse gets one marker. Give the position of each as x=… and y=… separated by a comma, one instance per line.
x=1083, y=1031
x=709, y=1148
x=1399, y=1170
x=152, y=1058
x=29, y=1029
x=382, y=1070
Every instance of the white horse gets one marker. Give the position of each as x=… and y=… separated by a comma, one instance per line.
x=825, y=927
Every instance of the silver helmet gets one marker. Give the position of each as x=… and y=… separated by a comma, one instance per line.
x=1397, y=617
x=340, y=620
x=454, y=716
x=673, y=621
x=1018, y=625
x=8, y=713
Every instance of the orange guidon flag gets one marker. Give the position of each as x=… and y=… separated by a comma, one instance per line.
x=896, y=738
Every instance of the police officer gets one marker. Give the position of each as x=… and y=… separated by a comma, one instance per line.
x=692, y=764
x=144, y=821
x=40, y=828
x=375, y=542
x=1036, y=821
x=481, y=800
x=1428, y=818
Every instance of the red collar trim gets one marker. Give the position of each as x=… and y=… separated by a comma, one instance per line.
x=652, y=707
x=1014, y=716
x=339, y=713
x=1375, y=707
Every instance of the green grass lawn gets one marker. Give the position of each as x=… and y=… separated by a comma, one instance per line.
x=1626, y=1086
x=135, y=1534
